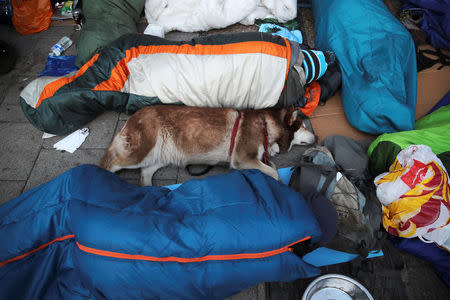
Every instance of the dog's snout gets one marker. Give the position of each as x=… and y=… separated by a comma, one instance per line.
x=304, y=136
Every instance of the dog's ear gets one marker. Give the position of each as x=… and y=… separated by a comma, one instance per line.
x=293, y=118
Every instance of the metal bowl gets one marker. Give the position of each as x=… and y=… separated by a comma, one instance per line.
x=336, y=286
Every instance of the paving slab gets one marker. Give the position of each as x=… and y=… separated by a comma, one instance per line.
x=19, y=149
x=123, y=117
x=15, y=86
x=166, y=173
x=55, y=33
x=4, y=83
x=12, y=113
x=10, y=189
x=33, y=63
x=132, y=176
x=257, y=292
x=32, y=50
x=50, y=37
x=101, y=131
x=184, y=176
x=120, y=124
x=22, y=44
x=52, y=163
x=163, y=176
x=50, y=141
x=163, y=182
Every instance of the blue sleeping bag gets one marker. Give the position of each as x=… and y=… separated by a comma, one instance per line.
x=377, y=58
x=89, y=234
x=435, y=20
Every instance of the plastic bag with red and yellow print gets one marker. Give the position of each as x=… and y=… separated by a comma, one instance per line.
x=415, y=196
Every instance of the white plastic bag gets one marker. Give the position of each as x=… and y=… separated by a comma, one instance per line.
x=415, y=194
x=440, y=236
x=413, y=160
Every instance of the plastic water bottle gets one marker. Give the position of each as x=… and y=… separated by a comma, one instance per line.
x=60, y=46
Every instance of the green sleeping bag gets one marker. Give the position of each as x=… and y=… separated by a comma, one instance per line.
x=432, y=130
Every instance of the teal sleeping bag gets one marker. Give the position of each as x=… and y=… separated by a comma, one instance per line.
x=377, y=59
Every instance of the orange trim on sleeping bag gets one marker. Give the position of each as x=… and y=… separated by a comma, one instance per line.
x=120, y=72
x=51, y=88
x=193, y=259
x=161, y=259
x=37, y=249
x=312, y=95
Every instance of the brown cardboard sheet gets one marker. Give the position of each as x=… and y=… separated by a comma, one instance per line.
x=330, y=119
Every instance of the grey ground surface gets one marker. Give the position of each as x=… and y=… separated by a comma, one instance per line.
x=27, y=160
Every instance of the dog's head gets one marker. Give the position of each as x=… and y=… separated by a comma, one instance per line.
x=298, y=133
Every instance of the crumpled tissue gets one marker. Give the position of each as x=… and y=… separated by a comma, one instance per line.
x=74, y=140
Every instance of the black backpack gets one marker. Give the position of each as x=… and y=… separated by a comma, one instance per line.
x=343, y=178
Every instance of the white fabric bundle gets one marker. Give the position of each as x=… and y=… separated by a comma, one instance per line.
x=201, y=15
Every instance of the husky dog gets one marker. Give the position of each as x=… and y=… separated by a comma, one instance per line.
x=161, y=135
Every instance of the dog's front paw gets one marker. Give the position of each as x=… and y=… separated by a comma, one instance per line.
x=277, y=177
x=274, y=149
x=274, y=173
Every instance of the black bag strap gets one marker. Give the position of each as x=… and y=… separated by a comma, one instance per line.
x=342, y=243
x=330, y=177
x=426, y=62
x=329, y=171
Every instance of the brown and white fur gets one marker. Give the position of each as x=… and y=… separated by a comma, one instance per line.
x=162, y=135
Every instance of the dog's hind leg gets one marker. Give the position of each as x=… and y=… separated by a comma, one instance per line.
x=147, y=173
x=256, y=164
